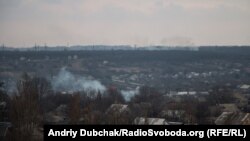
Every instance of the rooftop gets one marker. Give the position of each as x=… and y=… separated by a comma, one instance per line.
x=149, y=121
x=231, y=118
x=117, y=108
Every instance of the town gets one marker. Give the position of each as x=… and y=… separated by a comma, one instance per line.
x=157, y=86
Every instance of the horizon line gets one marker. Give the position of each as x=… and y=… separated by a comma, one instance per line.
x=124, y=45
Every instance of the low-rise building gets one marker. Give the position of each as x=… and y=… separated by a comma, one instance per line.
x=233, y=118
x=231, y=107
x=149, y=121
x=118, y=114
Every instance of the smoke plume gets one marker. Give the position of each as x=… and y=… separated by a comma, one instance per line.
x=66, y=81
x=128, y=94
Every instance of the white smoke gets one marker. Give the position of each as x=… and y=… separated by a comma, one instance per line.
x=10, y=86
x=128, y=94
x=66, y=81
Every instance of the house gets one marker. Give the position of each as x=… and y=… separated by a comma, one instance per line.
x=182, y=93
x=118, y=114
x=150, y=121
x=222, y=118
x=120, y=108
x=174, y=123
x=244, y=87
x=240, y=100
x=233, y=118
x=59, y=115
x=173, y=114
x=229, y=107
x=246, y=119
x=55, y=119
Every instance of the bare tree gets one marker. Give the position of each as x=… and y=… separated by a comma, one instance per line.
x=74, y=109
x=24, y=111
x=42, y=86
x=4, y=106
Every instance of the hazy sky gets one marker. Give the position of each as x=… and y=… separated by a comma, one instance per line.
x=141, y=22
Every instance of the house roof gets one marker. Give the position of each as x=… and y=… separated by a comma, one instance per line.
x=245, y=86
x=222, y=118
x=239, y=118
x=149, y=121
x=117, y=108
x=232, y=118
x=229, y=107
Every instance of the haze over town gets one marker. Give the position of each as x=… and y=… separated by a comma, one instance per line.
x=118, y=22
x=135, y=62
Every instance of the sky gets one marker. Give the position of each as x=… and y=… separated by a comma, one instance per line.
x=24, y=23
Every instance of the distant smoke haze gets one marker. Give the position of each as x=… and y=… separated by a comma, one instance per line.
x=66, y=81
x=25, y=23
x=178, y=41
